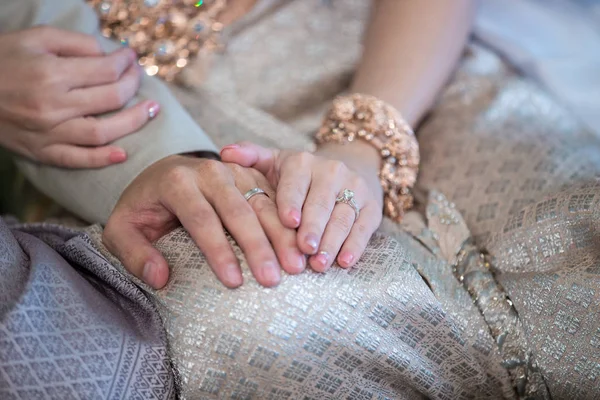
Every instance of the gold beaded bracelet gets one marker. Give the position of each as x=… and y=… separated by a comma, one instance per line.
x=364, y=117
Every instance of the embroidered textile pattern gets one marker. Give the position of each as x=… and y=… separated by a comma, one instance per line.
x=474, y=270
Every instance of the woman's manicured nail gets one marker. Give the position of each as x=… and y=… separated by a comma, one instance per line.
x=312, y=241
x=322, y=259
x=230, y=147
x=153, y=110
x=295, y=217
x=346, y=259
x=117, y=156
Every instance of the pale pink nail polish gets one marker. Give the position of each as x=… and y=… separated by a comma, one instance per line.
x=230, y=147
x=322, y=259
x=312, y=241
x=346, y=259
x=153, y=110
x=295, y=217
x=117, y=156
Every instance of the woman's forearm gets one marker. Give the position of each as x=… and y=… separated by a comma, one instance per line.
x=411, y=48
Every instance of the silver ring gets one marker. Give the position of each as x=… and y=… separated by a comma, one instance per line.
x=347, y=197
x=253, y=192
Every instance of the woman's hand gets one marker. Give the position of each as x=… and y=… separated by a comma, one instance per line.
x=204, y=196
x=307, y=188
x=52, y=83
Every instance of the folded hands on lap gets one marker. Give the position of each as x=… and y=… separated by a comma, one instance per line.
x=299, y=218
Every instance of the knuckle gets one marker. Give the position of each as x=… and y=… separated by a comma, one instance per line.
x=221, y=254
x=356, y=182
x=239, y=212
x=46, y=73
x=204, y=215
x=320, y=204
x=117, y=96
x=212, y=167
x=292, y=193
x=263, y=205
x=335, y=167
x=236, y=169
x=304, y=158
x=177, y=175
x=112, y=71
x=96, y=134
x=363, y=231
x=65, y=159
x=341, y=222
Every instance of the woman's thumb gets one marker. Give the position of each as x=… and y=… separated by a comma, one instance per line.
x=250, y=155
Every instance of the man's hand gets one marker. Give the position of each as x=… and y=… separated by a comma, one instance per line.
x=52, y=83
x=204, y=196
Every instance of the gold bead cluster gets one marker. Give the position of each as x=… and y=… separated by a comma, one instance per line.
x=166, y=34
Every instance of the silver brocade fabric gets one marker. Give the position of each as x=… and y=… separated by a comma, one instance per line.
x=402, y=324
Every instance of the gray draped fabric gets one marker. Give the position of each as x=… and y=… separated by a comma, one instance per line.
x=71, y=326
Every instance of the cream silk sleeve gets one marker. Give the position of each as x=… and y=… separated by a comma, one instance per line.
x=92, y=194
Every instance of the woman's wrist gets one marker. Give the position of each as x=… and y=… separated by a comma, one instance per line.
x=360, y=120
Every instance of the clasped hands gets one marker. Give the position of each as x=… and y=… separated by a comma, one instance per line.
x=295, y=224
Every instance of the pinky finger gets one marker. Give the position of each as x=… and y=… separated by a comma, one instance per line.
x=358, y=239
x=69, y=156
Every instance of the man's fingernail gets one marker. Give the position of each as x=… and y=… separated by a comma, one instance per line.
x=230, y=147
x=312, y=241
x=149, y=273
x=117, y=156
x=295, y=217
x=153, y=109
x=233, y=275
x=346, y=259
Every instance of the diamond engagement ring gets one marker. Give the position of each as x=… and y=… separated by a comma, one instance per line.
x=347, y=197
x=253, y=192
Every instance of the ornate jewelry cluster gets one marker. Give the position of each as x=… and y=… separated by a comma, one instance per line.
x=363, y=117
x=165, y=34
